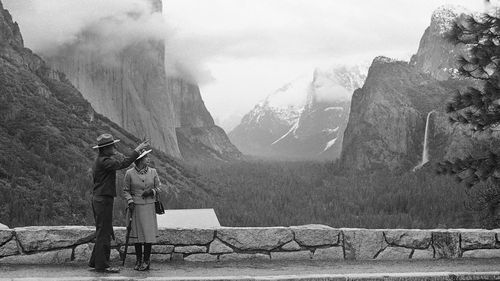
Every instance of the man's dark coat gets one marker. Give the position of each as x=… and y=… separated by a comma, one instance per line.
x=104, y=191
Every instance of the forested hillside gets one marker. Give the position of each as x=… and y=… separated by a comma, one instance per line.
x=264, y=193
x=46, y=143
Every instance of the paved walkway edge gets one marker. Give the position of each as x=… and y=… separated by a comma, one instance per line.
x=428, y=276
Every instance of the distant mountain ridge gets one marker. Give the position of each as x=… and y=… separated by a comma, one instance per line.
x=304, y=119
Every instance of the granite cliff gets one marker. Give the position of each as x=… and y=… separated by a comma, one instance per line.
x=388, y=114
x=130, y=86
x=436, y=55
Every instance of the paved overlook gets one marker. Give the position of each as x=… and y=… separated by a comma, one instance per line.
x=464, y=269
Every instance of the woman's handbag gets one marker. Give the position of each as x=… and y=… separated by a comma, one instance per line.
x=159, y=206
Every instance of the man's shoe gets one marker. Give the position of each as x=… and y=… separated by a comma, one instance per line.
x=109, y=270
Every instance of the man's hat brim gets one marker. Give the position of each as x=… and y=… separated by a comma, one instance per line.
x=106, y=144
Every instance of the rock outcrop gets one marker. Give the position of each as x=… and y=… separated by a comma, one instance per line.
x=10, y=35
x=436, y=55
x=388, y=114
x=130, y=86
x=129, y=91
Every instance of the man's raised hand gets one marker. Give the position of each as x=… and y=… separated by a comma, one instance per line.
x=142, y=145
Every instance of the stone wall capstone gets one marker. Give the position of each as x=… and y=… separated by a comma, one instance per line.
x=74, y=244
x=255, y=238
x=316, y=235
x=40, y=238
x=416, y=239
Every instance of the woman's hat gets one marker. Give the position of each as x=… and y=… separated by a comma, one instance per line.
x=144, y=152
x=105, y=140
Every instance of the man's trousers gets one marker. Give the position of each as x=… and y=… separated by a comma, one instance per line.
x=102, y=207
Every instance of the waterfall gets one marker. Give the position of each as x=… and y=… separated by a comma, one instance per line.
x=425, y=150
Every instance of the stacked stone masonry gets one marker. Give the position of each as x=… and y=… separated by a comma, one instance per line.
x=74, y=244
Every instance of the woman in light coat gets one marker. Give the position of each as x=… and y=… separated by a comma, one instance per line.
x=141, y=187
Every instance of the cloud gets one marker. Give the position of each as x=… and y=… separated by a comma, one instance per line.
x=105, y=28
x=301, y=29
x=201, y=32
x=49, y=24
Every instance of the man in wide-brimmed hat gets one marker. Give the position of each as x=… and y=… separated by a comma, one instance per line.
x=104, y=192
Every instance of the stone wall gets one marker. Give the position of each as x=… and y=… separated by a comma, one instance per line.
x=64, y=244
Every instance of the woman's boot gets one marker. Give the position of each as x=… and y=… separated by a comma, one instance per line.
x=138, y=256
x=147, y=255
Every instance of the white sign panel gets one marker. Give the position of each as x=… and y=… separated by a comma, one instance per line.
x=188, y=218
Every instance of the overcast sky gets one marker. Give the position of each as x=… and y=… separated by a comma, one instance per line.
x=239, y=51
x=253, y=47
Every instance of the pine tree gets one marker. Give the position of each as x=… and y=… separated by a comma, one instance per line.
x=478, y=107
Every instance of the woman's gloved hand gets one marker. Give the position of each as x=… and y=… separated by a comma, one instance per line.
x=131, y=206
x=147, y=193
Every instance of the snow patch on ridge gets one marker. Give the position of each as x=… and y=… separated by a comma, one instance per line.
x=330, y=144
x=384, y=59
x=329, y=131
x=292, y=130
x=444, y=17
x=334, y=108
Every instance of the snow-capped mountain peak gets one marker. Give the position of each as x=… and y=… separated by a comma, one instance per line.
x=303, y=119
